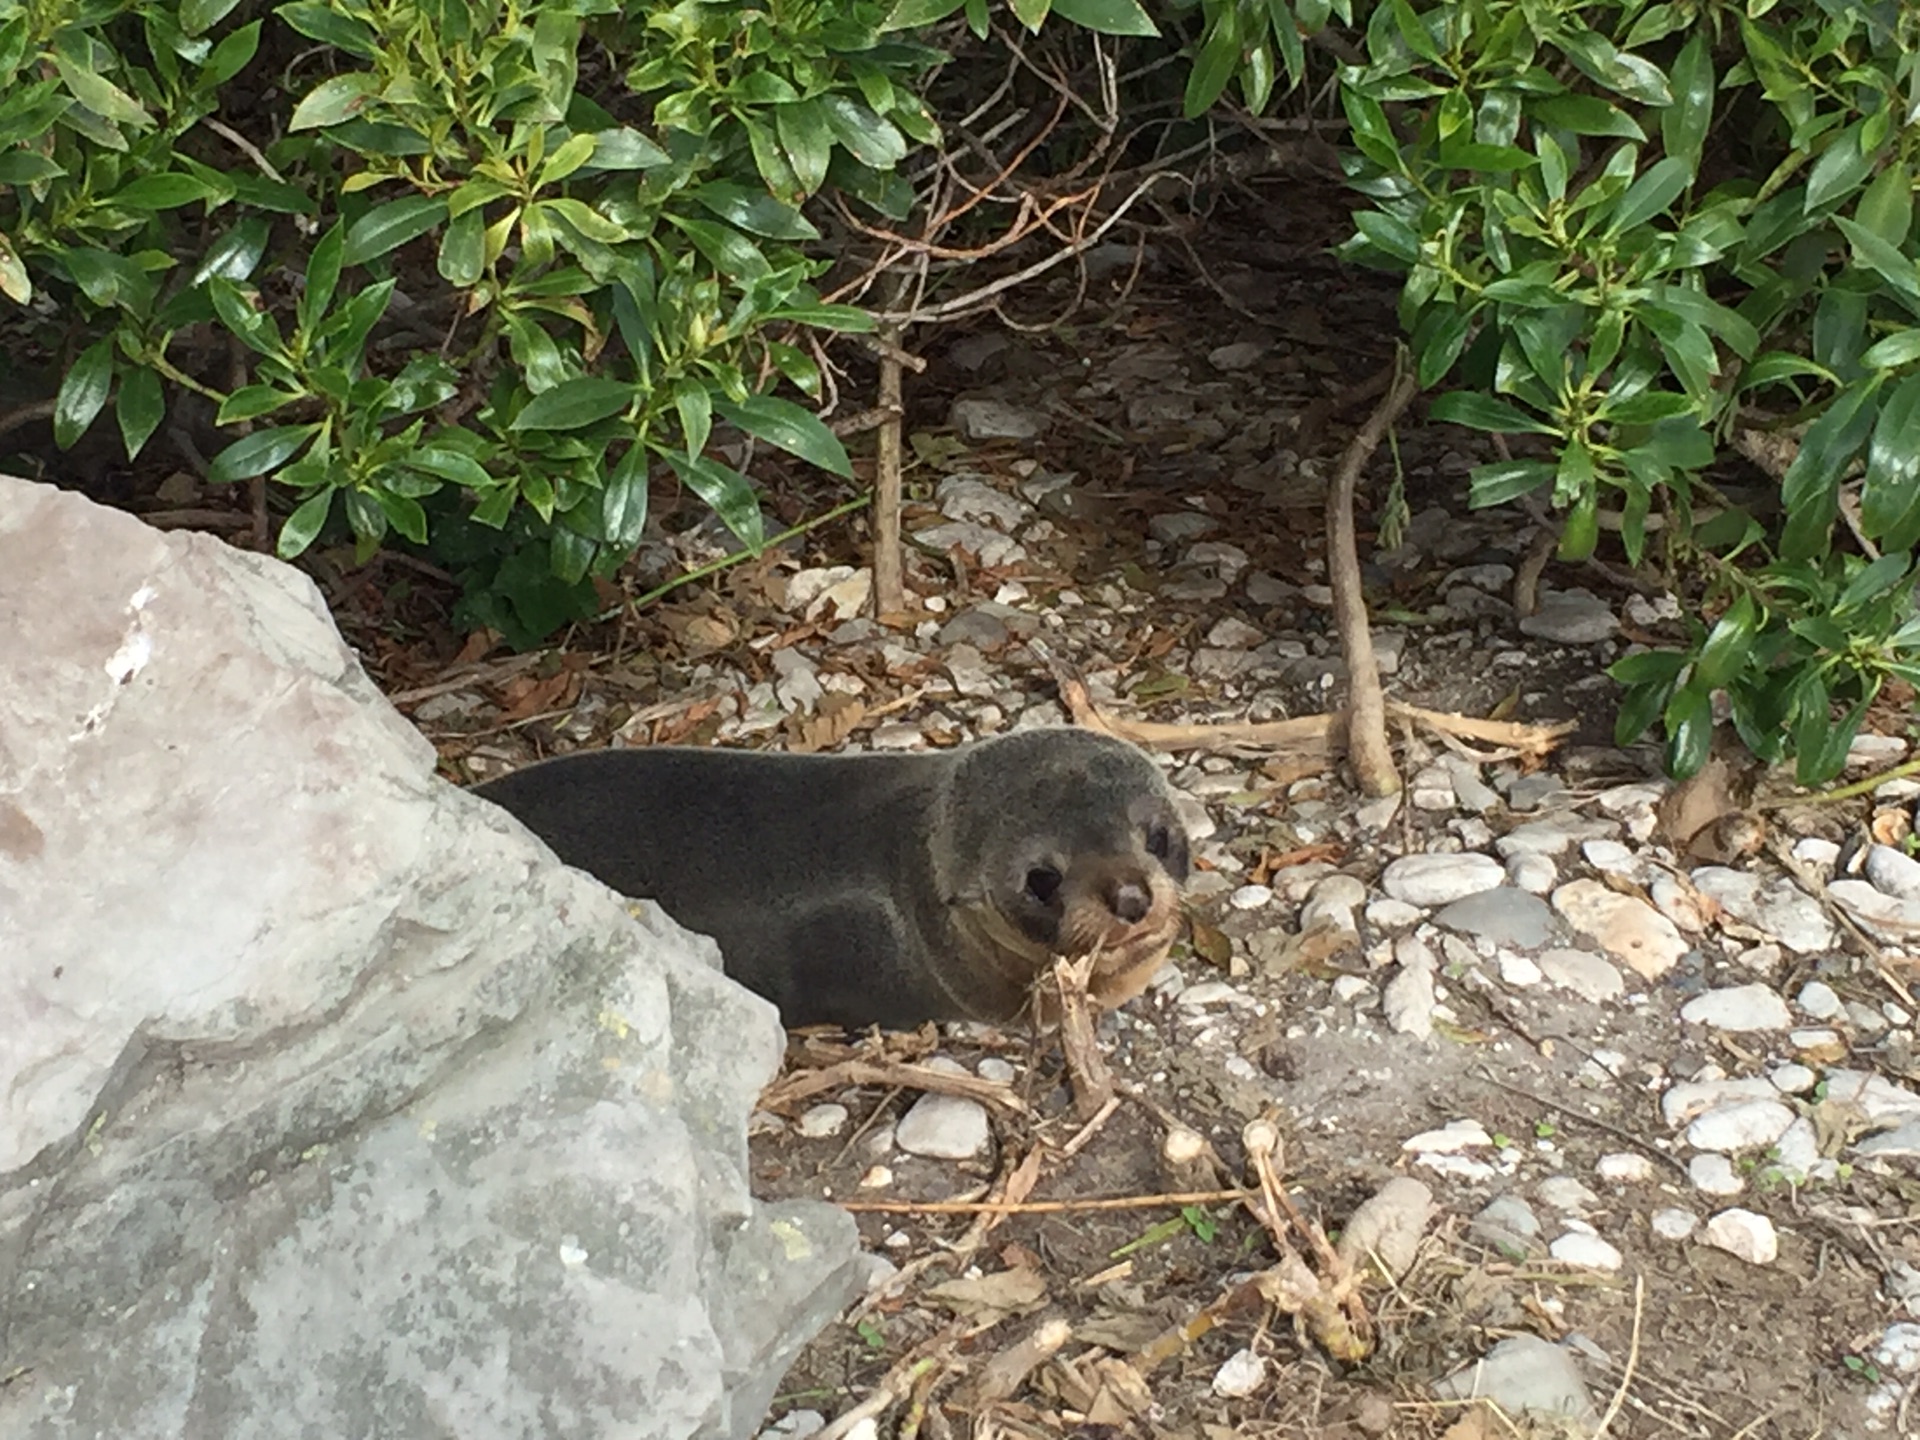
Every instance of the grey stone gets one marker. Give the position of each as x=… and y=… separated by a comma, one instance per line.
x=1571, y=617
x=944, y=1127
x=1738, y=1009
x=1440, y=879
x=1778, y=907
x=1590, y=976
x=1534, y=874
x=1902, y=1141
x=1507, y=1224
x=1742, y=1125
x=1525, y=1373
x=988, y=547
x=346, y=1110
x=1894, y=872
x=980, y=417
x=1503, y=915
x=1174, y=527
x=1238, y=356
x=974, y=497
x=1713, y=1174
x=977, y=627
x=1673, y=1223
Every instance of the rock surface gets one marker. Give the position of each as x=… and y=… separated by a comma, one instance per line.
x=329, y=1102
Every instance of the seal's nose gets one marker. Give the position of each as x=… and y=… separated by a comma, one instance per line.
x=1130, y=901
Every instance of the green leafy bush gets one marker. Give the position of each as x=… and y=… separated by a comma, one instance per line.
x=1641, y=235
x=488, y=263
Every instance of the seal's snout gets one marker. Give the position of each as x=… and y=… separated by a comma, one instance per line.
x=1130, y=900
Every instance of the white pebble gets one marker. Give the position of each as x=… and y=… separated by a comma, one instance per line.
x=1713, y=1175
x=944, y=1127
x=993, y=1068
x=1743, y=1125
x=1793, y=1079
x=1738, y=1008
x=1243, y=1374
x=1745, y=1234
x=1589, y=1252
x=820, y=1121
x=1251, y=897
x=1457, y=1136
x=1675, y=1224
x=1623, y=1167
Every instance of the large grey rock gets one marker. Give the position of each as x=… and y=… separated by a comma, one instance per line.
x=329, y=1103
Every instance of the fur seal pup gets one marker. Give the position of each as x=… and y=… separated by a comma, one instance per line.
x=884, y=889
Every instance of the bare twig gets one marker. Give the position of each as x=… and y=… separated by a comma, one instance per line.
x=1367, y=747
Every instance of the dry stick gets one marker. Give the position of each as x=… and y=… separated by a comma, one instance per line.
x=1368, y=748
x=1092, y=1080
x=1633, y=1360
x=1170, y=1198
x=889, y=589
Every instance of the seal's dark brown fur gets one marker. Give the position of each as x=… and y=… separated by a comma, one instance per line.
x=884, y=889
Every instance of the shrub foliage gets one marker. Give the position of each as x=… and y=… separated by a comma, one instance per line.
x=467, y=271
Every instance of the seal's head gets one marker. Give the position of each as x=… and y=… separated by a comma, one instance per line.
x=1075, y=848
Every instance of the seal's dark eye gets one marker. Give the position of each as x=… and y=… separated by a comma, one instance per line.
x=1043, y=883
x=1159, y=841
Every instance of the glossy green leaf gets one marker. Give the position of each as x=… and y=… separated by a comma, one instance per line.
x=1841, y=168
x=462, y=259
x=1506, y=480
x=807, y=140
x=1810, y=488
x=327, y=25
x=303, y=526
x=1684, y=123
x=232, y=55
x=754, y=211
x=1895, y=350
x=323, y=276
x=1648, y=667
x=1639, y=708
x=1587, y=115
x=868, y=138
x=795, y=430
x=1216, y=63
x=83, y=393
x=259, y=453
x=101, y=95
x=694, y=403
x=388, y=226
x=1689, y=725
x=1108, y=17
x=730, y=251
x=1484, y=412
x=250, y=402
x=727, y=491
x=574, y=404
x=403, y=512
x=334, y=100
x=623, y=500
x=236, y=254
x=1659, y=185
x=1387, y=233
x=625, y=149
x=1725, y=652
x=139, y=408
x=1890, y=493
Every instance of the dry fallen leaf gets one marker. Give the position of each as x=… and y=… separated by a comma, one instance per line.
x=1006, y=1292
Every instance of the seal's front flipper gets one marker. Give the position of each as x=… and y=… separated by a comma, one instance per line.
x=846, y=963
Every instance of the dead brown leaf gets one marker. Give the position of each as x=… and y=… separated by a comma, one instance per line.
x=839, y=716
x=1003, y=1293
